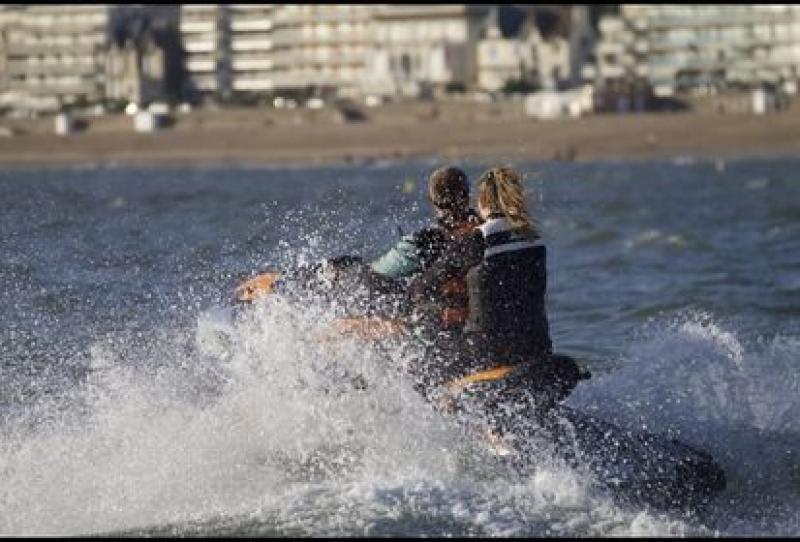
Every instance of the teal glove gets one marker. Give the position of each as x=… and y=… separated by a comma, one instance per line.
x=402, y=260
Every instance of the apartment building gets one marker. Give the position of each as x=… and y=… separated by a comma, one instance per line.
x=8, y=18
x=239, y=49
x=422, y=49
x=205, y=36
x=252, y=47
x=330, y=49
x=53, y=54
x=57, y=55
x=324, y=46
x=688, y=46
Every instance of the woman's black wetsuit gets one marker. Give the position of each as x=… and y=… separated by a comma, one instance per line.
x=507, y=321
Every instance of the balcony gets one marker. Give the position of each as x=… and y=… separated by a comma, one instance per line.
x=198, y=26
x=317, y=16
x=307, y=33
x=314, y=39
x=610, y=47
x=751, y=42
x=284, y=58
x=71, y=27
x=199, y=7
x=239, y=25
x=252, y=44
x=269, y=8
x=300, y=80
x=201, y=65
x=318, y=58
x=21, y=66
x=406, y=12
x=205, y=46
x=253, y=83
x=248, y=64
x=18, y=48
x=723, y=17
x=50, y=17
x=295, y=38
x=35, y=86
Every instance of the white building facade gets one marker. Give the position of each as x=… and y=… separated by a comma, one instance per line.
x=250, y=60
x=423, y=49
x=58, y=55
x=688, y=46
x=53, y=54
x=403, y=50
x=273, y=48
x=552, y=62
x=204, y=32
x=324, y=46
x=502, y=59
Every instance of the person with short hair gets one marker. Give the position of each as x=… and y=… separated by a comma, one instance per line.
x=446, y=307
x=448, y=191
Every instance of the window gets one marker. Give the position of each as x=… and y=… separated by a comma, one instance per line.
x=405, y=64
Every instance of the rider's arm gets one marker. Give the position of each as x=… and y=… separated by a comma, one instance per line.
x=400, y=261
x=411, y=254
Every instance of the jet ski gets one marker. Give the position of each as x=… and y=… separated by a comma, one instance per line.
x=637, y=467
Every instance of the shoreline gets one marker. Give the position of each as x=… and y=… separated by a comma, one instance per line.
x=144, y=164
x=241, y=139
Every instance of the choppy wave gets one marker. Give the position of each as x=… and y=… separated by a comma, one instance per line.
x=255, y=428
x=249, y=427
x=694, y=379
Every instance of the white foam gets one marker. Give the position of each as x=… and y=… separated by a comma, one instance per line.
x=264, y=428
x=694, y=379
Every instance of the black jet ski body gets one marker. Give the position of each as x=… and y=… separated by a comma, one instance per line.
x=638, y=467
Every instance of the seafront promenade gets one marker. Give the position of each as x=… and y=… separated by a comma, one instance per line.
x=398, y=131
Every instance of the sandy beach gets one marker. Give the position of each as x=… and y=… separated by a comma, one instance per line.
x=499, y=132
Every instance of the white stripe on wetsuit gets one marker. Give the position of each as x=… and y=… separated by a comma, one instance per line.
x=509, y=247
x=501, y=225
x=494, y=225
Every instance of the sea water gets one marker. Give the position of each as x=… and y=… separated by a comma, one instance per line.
x=131, y=404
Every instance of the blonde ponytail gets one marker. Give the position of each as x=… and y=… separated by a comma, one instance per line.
x=500, y=191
